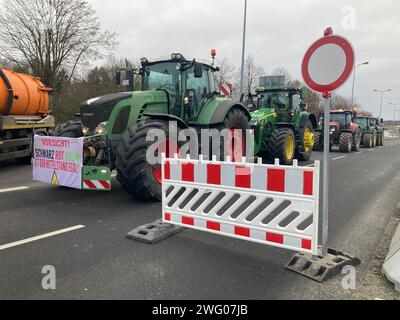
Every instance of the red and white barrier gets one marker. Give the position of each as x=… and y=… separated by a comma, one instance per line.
x=270, y=204
x=96, y=185
x=226, y=89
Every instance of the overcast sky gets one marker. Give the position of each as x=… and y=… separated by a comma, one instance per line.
x=278, y=34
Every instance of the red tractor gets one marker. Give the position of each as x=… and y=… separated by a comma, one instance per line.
x=344, y=132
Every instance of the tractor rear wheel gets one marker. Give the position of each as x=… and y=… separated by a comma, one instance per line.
x=307, y=137
x=356, y=142
x=367, y=141
x=70, y=129
x=139, y=178
x=374, y=139
x=346, y=142
x=318, y=143
x=282, y=146
x=236, y=121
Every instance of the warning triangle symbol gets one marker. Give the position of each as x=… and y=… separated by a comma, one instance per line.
x=54, y=179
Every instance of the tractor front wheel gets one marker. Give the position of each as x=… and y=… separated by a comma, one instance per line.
x=367, y=141
x=346, y=142
x=307, y=141
x=282, y=146
x=140, y=176
x=70, y=129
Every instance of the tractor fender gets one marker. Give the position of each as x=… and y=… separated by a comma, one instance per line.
x=306, y=117
x=167, y=117
x=222, y=110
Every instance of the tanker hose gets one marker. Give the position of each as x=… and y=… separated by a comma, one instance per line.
x=10, y=99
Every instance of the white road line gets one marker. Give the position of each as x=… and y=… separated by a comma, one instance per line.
x=43, y=236
x=14, y=189
x=361, y=152
x=338, y=158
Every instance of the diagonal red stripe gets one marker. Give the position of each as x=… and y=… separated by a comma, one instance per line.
x=105, y=184
x=90, y=184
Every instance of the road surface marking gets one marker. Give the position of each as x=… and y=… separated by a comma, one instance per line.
x=14, y=189
x=43, y=236
x=338, y=158
x=359, y=152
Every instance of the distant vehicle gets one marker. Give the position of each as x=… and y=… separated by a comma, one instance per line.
x=24, y=112
x=344, y=132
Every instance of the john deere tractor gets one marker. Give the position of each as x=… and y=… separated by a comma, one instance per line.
x=173, y=88
x=372, y=132
x=283, y=129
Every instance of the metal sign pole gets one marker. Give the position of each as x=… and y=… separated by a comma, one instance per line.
x=325, y=183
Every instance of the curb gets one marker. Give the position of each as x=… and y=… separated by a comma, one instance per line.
x=391, y=267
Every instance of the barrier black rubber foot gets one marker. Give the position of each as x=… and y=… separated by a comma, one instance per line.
x=319, y=268
x=153, y=232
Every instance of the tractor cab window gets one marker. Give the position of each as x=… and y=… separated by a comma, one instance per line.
x=362, y=122
x=275, y=100
x=166, y=77
x=200, y=88
x=340, y=117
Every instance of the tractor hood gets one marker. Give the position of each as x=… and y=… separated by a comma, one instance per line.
x=335, y=124
x=98, y=110
x=262, y=114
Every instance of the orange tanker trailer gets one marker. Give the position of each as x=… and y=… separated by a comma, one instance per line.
x=24, y=112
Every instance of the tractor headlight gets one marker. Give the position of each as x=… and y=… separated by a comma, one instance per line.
x=101, y=128
x=85, y=130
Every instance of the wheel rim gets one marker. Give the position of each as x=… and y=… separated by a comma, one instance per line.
x=309, y=140
x=169, y=147
x=289, y=150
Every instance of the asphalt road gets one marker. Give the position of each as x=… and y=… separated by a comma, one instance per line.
x=97, y=262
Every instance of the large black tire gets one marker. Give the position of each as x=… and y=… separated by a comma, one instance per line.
x=374, y=139
x=235, y=119
x=318, y=141
x=134, y=172
x=346, y=142
x=367, y=141
x=306, y=154
x=70, y=129
x=356, y=142
x=277, y=144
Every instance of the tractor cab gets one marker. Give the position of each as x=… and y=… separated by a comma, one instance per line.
x=342, y=119
x=273, y=94
x=189, y=84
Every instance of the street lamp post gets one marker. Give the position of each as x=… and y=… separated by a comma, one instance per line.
x=243, y=49
x=354, y=80
x=382, y=92
x=394, y=111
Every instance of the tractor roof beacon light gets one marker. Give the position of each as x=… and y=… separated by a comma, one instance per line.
x=213, y=55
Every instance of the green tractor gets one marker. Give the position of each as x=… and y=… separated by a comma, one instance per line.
x=372, y=132
x=116, y=126
x=282, y=127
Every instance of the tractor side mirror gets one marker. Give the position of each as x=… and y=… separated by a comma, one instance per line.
x=198, y=70
x=118, y=77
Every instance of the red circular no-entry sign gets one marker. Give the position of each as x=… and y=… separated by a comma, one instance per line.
x=328, y=63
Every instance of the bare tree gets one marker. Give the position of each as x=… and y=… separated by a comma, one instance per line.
x=340, y=102
x=52, y=37
x=280, y=71
x=226, y=73
x=252, y=74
